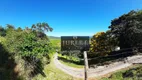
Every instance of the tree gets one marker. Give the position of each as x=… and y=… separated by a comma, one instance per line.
x=19, y=29
x=103, y=43
x=28, y=49
x=128, y=29
x=111, y=40
x=2, y=31
x=40, y=28
x=27, y=43
x=9, y=26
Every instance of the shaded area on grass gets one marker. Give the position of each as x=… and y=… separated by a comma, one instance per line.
x=133, y=73
x=72, y=64
x=81, y=62
x=7, y=65
x=36, y=66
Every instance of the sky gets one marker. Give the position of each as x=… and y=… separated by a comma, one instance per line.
x=66, y=17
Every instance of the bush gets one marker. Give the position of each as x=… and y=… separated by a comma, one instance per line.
x=102, y=44
x=27, y=48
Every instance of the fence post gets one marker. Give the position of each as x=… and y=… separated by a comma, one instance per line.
x=85, y=65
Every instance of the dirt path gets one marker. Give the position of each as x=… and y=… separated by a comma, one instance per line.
x=100, y=70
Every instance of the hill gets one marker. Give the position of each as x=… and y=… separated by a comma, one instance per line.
x=53, y=37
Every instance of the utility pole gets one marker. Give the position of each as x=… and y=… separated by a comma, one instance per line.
x=85, y=66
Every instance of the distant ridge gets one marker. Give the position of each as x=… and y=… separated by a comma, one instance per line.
x=53, y=37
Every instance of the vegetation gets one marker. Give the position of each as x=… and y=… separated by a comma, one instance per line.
x=53, y=73
x=2, y=31
x=53, y=37
x=133, y=73
x=71, y=61
x=55, y=43
x=128, y=29
x=64, y=57
x=125, y=31
x=26, y=49
x=102, y=43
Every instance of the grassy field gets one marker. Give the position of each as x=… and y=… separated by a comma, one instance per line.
x=56, y=43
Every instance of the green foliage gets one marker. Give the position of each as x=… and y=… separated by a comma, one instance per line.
x=102, y=44
x=32, y=46
x=27, y=48
x=128, y=29
x=71, y=59
x=7, y=65
x=27, y=43
x=3, y=55
x=40, y=28
x=133, y=73
x=2, y=31
x=2, y=40
x=55, y=43
x=71, y=64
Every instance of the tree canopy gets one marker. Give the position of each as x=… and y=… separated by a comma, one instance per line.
x=128, y=29
x=102, y=43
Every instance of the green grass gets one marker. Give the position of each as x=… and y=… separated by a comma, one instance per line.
x=54, y=37
x=56, y=43
x=130, y=72
x=52, y=73
x=69, y=59
x=71, y=64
